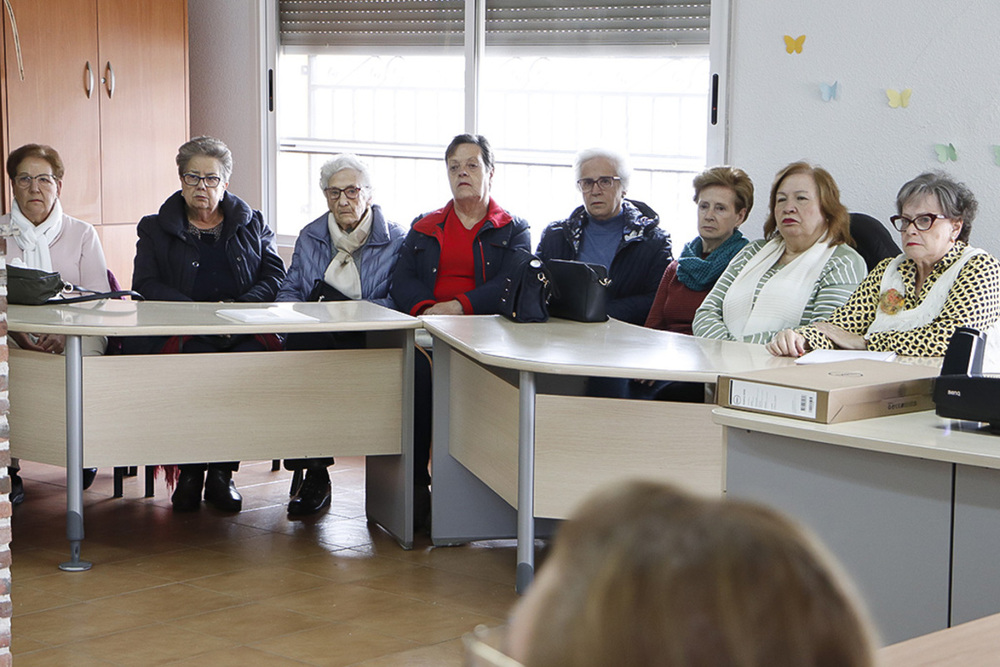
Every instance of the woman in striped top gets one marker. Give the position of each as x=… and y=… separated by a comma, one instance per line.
x=803, y=270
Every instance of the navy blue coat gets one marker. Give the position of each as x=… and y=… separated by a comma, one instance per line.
x=638, y=265
x=416, y=269
x=166, y=259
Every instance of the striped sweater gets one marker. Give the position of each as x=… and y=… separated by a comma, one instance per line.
x=838, y=280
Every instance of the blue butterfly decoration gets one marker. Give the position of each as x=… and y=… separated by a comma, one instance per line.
x=828, y=91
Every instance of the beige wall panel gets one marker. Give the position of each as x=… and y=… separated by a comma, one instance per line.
x=484, y=426
x=211, y=407
x=583, y=443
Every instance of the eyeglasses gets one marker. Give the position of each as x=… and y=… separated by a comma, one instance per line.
x=24, y=181
x=193, y=180
x=922, y=222
x=352, y=192
x=604, y=182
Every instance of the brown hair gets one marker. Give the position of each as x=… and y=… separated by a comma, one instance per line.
x=728, y=177
x=647, y=575
x=837, y=217
x=47, y=153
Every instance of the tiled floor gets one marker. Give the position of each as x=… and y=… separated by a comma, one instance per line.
x=246, y=589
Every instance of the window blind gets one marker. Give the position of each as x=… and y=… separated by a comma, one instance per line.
x=347, y=25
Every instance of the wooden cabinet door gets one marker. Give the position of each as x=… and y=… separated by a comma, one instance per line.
x=50, y=106
x=144, y=115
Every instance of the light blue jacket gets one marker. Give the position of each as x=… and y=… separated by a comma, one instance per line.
x=313, y=252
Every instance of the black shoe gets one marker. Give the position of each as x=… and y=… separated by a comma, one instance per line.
x=220, y=491
x=314, y=493
x=16, y=488
x=89, y=475
x=187, y=494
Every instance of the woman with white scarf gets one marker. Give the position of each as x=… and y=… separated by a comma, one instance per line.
x=347, y=253
x=912, y=304
x=802, y=270
x=46, y=238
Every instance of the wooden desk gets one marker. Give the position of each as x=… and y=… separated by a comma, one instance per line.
x=187, y=408
x=507, y=450
x=972, y=644
x=910, y=504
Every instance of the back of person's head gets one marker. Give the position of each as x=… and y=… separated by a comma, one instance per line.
x=645, y=575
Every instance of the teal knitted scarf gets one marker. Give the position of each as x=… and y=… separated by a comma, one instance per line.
x=698, y=273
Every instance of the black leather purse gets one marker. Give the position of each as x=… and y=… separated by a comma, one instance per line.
x=580, y=290
x=32, y=287
x=526, y=290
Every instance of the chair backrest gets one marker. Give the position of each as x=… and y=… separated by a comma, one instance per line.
x=874, y=241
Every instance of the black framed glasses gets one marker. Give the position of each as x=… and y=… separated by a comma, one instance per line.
x=922, y=222
x=192, y=180
x=352, y=192
x=604, y=182
x=24, y=181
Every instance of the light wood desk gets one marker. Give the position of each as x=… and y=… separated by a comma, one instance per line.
x=910, y=504
x=508, y=451
x=972, y=644
x=188, y=408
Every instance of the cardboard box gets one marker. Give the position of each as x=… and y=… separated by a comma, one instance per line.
x=832, y=393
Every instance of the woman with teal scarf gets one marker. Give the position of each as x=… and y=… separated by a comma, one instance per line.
x=724, y=196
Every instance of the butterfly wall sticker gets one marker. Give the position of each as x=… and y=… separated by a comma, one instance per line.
x=996, y=155
x=829, y=92
x=898, y=98
x=794, y=44
x=946, y=152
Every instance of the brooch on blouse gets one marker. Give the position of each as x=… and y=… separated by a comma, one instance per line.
x=891, y=302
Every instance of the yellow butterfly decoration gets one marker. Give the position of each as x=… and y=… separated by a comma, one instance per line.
x=898, y=99
x=794, y=44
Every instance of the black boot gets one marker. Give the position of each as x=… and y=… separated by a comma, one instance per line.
x=220, y=491
x=16, y=487
x=187, y=494
x=314, y=494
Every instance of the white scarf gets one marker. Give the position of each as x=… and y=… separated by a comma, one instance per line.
x=342, y=273
x=781, y=302
x=930, y=307
x=34, y=241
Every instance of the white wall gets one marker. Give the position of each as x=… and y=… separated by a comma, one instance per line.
x=947, y=52
x=228, y=78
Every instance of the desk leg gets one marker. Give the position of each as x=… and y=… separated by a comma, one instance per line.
x=389, y=479
x=74, y=455
x=526, y=482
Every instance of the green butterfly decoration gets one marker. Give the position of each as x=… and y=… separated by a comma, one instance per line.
x=946, y=152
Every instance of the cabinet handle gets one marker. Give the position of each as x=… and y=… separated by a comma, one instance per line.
x=109, y=80
x=17, y=38
x=90, y=79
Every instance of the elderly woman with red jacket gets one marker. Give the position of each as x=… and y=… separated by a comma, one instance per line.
x=453, y=261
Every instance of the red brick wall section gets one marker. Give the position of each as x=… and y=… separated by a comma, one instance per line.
x=5, y=602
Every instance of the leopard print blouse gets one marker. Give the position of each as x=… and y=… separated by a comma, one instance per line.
x=974, y=301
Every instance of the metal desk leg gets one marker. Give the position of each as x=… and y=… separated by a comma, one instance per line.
x=74, y=455
x=526, y=482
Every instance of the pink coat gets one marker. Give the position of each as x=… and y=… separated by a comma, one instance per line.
x=76, y=254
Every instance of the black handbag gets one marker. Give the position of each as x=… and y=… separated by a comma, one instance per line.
x=526, y=290
x=580, y=290
x=34, y=287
